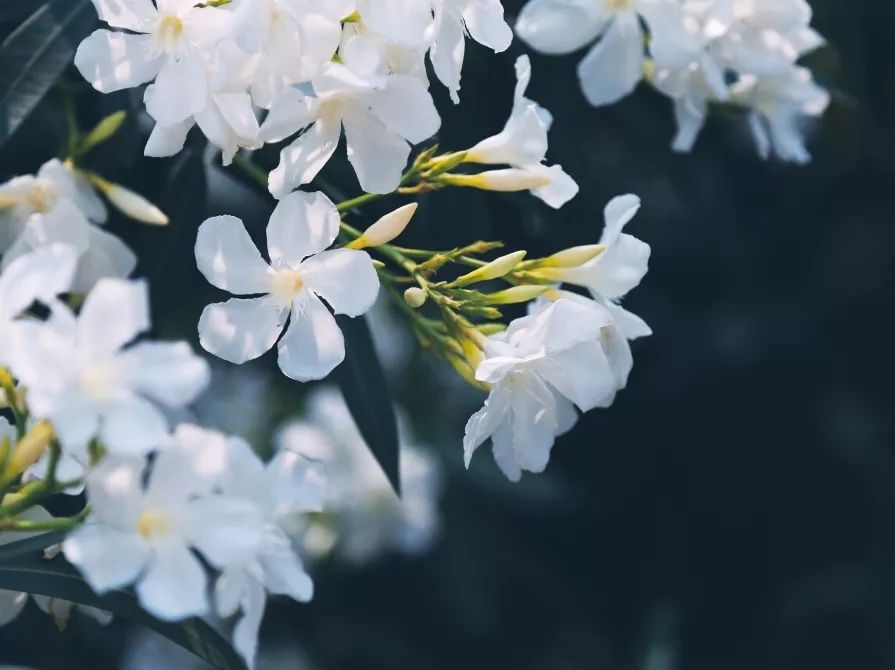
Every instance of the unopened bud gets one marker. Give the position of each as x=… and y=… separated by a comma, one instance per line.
x=415, y=297
x=516, y=294
x=101, y=132
x=128, y=202
x=29, y=449
x=385, y=229
x=493, y=270
x=570, y=258
x=508, y=179
x=491, y=328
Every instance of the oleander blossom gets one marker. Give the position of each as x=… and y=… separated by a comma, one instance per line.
x=740, y=52
x=290, y=287
x=363, y=518
x=82, y=376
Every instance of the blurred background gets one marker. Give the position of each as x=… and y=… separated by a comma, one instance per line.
x=735, y=508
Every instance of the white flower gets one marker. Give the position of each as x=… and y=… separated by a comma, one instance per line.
x=146, y=534
x=57, y=206
x=79, y=377
x=780, y=105
x=612, y=274
x=380, y=112
x=523, y=143
x=613, y=66
x=540, y=369
x=288, y=485
x=40, y=275
x=363, y=518
x=164, y=45
x=300, y=272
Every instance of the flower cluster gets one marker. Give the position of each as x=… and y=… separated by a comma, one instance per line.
x=362, y=518
x=738, y=52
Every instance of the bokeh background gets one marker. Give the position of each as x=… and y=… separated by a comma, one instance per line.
x=735, y=508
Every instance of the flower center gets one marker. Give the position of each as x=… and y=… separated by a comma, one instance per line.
x=167, y=34
x=41, y=198
x=618, y=5
x=98, y=382
x=285, y=284
x=152, y=523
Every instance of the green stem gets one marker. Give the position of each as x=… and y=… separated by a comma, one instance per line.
x=60, y=523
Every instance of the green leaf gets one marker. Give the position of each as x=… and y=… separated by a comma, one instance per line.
x=23, y=568
x=363, y=385
x=34, y=56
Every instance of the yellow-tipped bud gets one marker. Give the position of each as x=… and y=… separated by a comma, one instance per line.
x=29, y=449
x=128, y=202
x=415, y=297
x=493, y=270
x=572, y=257
x=516, y=294
x=102, y=131
x=508, y=179
x=385, y=229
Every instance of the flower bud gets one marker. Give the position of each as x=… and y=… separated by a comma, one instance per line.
x=128, y=202
x=385, y=229
x=570, y=258
x=516, y=294
x=493, y=270
x=29, y=449
x=415, y=297
x=103, y=130
x=508, y=179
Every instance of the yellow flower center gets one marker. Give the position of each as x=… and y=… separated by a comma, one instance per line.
x=152, y=523
x=41, y=198
x=98, y=382
x=167, y=34
x=285, y=284
x=618, y=5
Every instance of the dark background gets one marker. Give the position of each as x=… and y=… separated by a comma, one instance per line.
x=733, y=510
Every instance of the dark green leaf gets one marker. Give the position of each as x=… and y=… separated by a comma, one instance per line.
x=30, y=545
x=24, y=570
x=366, y=393
x=34, y=56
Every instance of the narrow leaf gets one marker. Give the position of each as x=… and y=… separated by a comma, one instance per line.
x=34, y=56
x=56, y=578
x=363, y=385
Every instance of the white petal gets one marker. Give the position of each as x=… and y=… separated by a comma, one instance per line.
x=561, y=188
x=377, y=155
x=612, y=68
x=405, y=107
x=40, y=275
x=486, y=421
x=75, y=419
x=617, y=214
x=136, y=15
x=168, y=372
x=112, y=61
x=227, y=257
x=290, y=111
x=108, y=558
x=486, y=25
x=447, y=52
x=620, y=268
x=285, y=575
x=245, y=633
x=504, y=454
x=113, y=314
x=345, y=278
x=180, y=90
x=313, y=344
x=302, y=224
x=631, y=325
x=11, y=604
x=305, y=157
x=133, y=427
x=559, y=26
x=107, y=256
x=167, y=140
x=240, y=330
x=582, y=374
x=226, y=531
x=174, y=585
